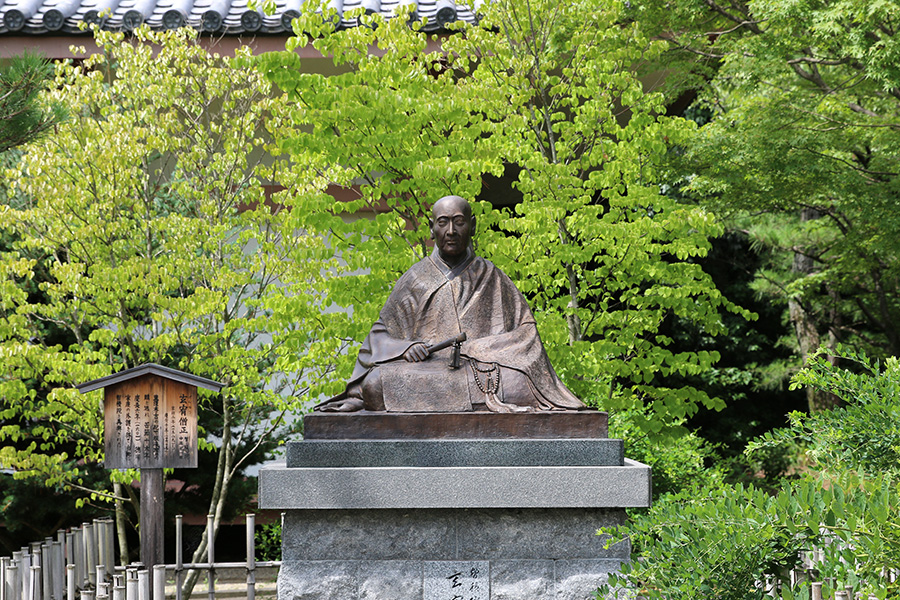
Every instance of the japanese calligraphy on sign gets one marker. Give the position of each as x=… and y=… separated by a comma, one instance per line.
x=151, y=423
x=457, y=580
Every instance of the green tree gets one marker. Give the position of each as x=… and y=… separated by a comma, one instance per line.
x=755, y=370
x=802, y=148
x=148, y=210
x=545, y=88
x=32, y=511
x=21, y=117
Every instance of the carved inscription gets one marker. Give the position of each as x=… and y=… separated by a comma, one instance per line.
x=456, y=580
x=151, y=423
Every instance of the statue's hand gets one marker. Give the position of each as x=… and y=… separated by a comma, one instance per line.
x=416, y=353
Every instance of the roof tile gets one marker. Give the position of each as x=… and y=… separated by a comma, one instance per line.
x=229, y=17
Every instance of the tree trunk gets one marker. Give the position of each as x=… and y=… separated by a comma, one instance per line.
x=573, y=320
x=805, y=327
x=217, y=502
x=120, y=525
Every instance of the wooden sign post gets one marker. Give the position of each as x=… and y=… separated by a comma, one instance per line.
x=150, y=423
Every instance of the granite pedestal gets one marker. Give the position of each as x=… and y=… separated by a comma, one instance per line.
x=451, y=519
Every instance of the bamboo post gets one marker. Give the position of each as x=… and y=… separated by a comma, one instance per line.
x=143, y=584
x=179, y=556
x=13, y=591
x=90, y=553
x=25, y=574
x=4, y=565
x=118, y=588
x=70, y=548
x=78, y=556
x=251, y=557
x=109, y=533
x=70, y=582
x=58, y=565
x=16, y=581
x=159, y=582
x=46, y=570
x=36, y=583
x=131, y=584
x=816, y=591
x=211, y=557
x=99, y=535
x=15, y=561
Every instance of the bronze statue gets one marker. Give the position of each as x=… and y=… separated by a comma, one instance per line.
x=455, y=335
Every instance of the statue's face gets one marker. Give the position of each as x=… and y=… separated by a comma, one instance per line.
x=452, y=226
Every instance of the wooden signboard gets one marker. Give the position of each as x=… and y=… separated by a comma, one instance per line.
x=150, y=423
x=150, y=417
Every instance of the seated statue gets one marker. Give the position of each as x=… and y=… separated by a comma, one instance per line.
x=413, y=359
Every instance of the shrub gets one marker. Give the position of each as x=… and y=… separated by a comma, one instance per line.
x=721, y=542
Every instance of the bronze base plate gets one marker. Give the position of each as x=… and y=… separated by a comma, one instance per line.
x=365, y=425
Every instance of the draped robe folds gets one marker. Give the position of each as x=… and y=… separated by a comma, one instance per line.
x=432, y=302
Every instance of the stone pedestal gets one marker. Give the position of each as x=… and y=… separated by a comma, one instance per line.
x=451, y=519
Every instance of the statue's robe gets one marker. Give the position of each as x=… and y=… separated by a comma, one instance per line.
x=433, y=302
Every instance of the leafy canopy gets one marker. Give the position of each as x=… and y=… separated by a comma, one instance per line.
x=146, y=216
x=805, y=103
x=542, y=89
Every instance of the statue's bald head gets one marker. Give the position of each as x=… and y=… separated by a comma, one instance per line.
x=452, y=226
x=451, y=203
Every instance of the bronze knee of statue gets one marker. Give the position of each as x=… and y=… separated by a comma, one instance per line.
x=372, y=390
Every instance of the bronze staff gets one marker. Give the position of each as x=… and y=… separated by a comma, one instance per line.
x=456, y=342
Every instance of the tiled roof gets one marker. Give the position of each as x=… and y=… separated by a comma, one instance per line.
x=229, y=17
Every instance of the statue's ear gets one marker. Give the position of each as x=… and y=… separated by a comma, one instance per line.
x=431, y=227
x=474, y=222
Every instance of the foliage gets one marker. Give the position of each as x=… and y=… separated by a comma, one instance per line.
x=862, y=436
x=31, y=511
x=148, y=213
x=538, y=87
x=754, y=371
x=376, y=135
x=724, y=544
x=268, y=541
x=725, y=541
x=802, y=147
x=678, y=464
x=21, y=117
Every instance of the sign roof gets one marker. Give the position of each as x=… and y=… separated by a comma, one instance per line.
x=150, y=369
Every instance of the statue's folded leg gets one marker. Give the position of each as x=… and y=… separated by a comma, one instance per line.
x=345, y=404
x=363, y=394
x=350, y=401
x=516, y=388
x=371, y=390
